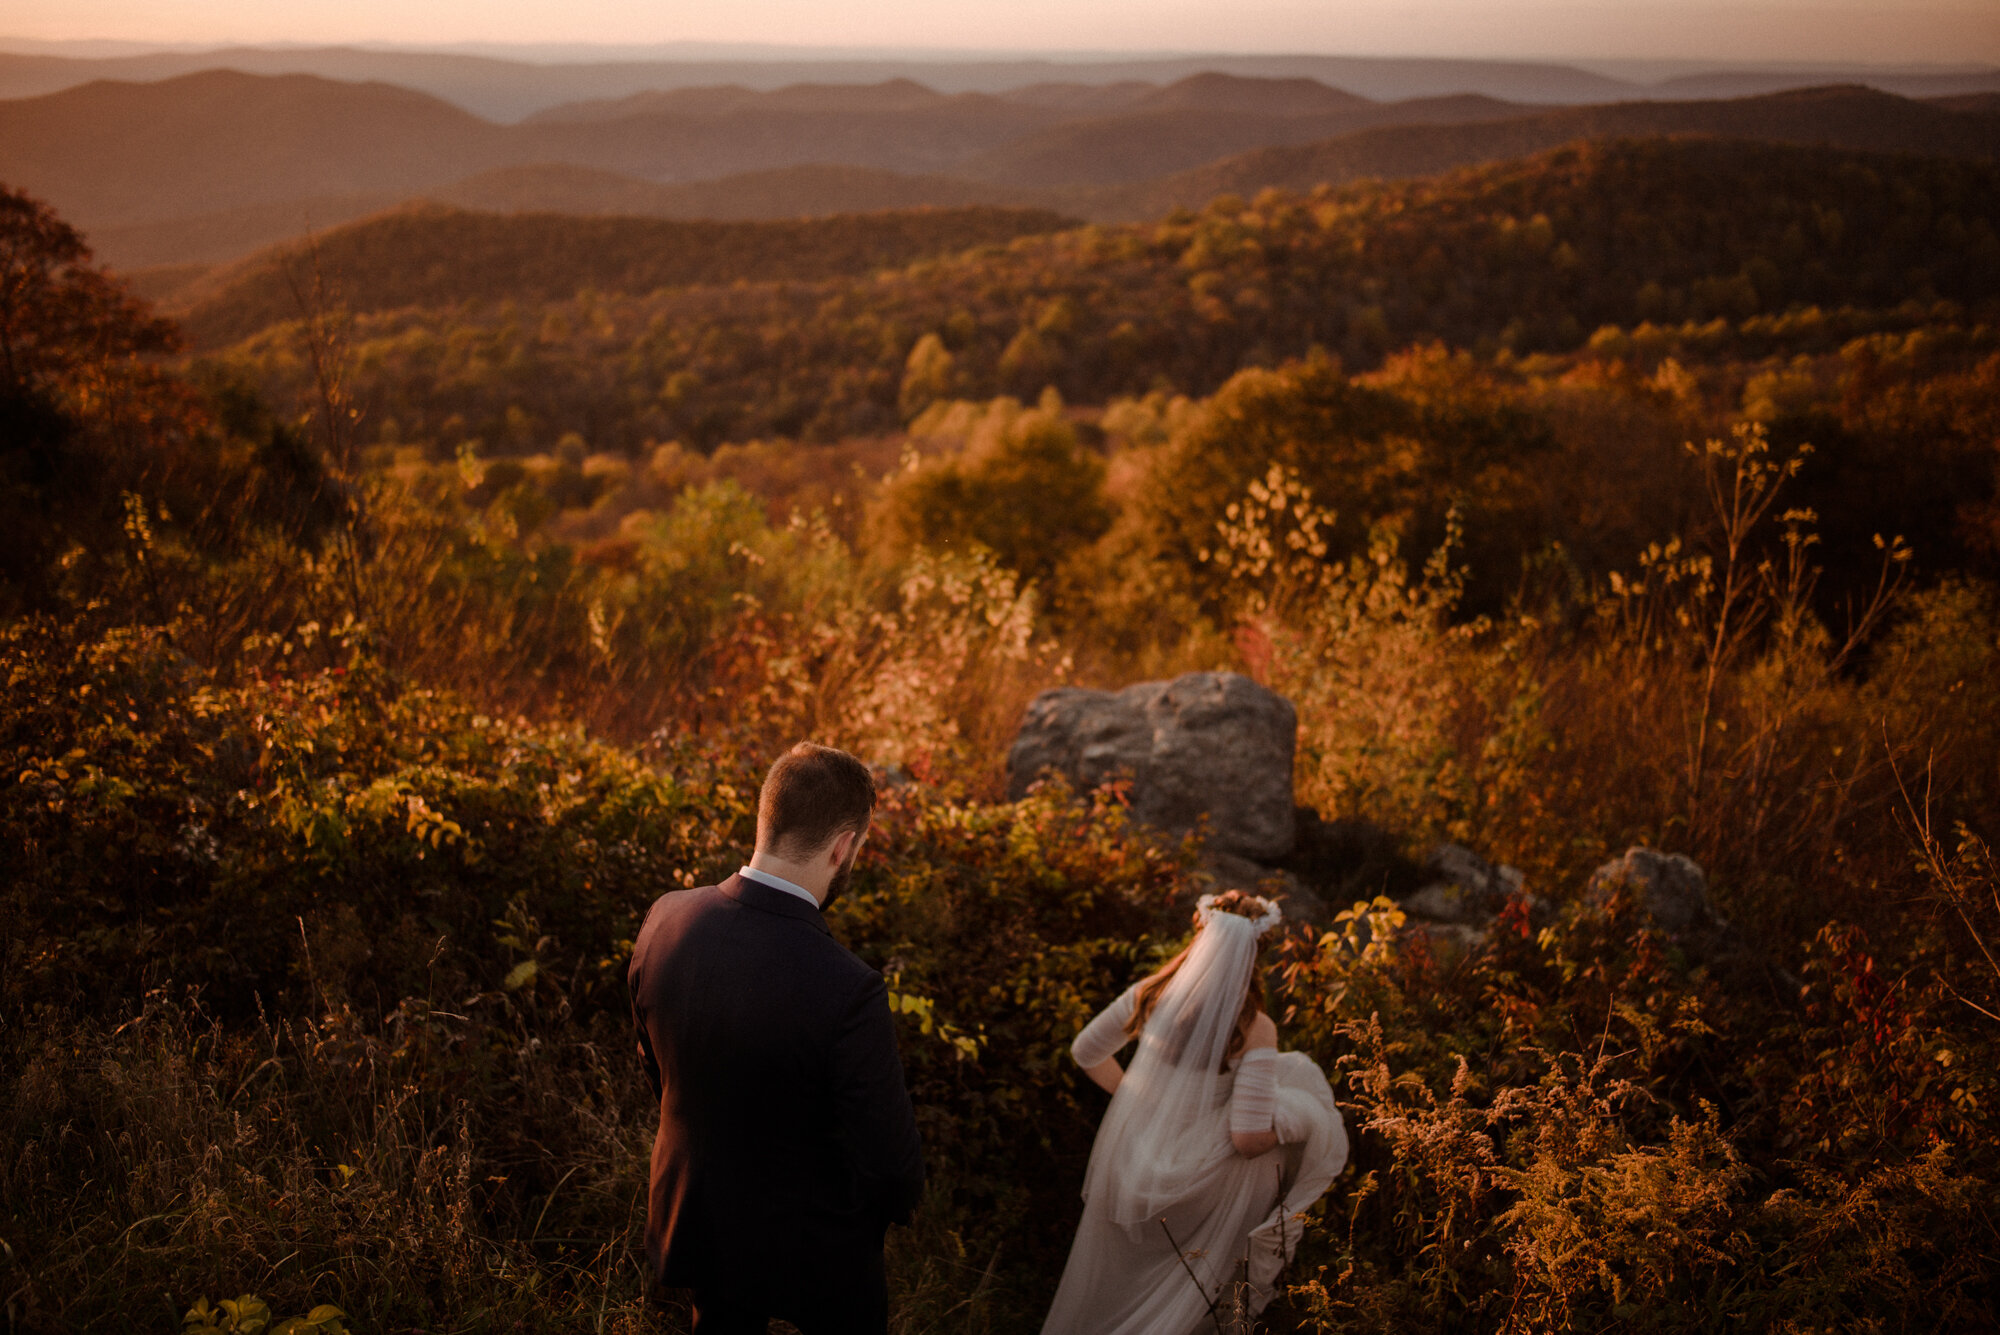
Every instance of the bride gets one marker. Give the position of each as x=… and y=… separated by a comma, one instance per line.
x=1214, y=1143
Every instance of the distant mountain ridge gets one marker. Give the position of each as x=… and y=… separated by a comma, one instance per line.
x=1152, y=140
x=111, y=153
x=509, y=89
x=206, y=167
x=723, y=99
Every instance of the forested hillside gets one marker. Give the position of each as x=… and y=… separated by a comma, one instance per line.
x=1809, y=245
x=1853, y=118
x=368, y=676
x=432, y=257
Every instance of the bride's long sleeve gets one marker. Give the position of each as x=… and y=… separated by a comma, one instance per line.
x=1253, y=1103
x=1105, y=1034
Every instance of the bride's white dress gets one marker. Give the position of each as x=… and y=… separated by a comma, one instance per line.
x=1163, y=1153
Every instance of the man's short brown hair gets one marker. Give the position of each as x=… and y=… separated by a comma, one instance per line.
x=812, y=795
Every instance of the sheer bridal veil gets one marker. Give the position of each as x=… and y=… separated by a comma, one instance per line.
x=1158, y=1144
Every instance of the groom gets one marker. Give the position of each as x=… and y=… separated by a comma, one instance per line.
x=786, y=1143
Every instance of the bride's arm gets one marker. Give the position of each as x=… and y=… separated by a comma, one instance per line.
x=1106, y=1074
x=1096, y=1048
x=1251, y=1104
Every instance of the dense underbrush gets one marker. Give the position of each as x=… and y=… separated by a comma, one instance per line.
x=336, y=781
x=314, y=986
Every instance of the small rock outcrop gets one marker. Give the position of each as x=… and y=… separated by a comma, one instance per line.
x=1672, y=890
x=1671, y=887
x=1462, y=887
x=1212, y=744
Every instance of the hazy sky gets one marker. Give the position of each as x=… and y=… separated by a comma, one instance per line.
x=1953, y=31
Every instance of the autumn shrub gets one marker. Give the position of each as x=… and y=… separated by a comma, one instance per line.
x=1552, y=1133
x=1698, y=700
x=314, y=982
x=937, y=682
x=1021, y=486
x=269, y=929
x=1577, y=1120
x=1367, y=653
x=707, y=617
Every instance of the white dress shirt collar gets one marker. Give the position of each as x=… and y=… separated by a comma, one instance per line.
x=749, y=873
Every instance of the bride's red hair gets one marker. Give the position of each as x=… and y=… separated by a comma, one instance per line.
x=1241, y=904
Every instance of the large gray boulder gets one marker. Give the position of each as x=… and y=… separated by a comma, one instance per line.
x=1212, y=744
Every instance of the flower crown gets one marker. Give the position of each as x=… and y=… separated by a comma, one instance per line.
x=1270, y=918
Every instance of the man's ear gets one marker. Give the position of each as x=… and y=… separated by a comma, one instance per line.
x=836, y=852
x=843, y=845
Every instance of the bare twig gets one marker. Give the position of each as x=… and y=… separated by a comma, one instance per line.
x=1199, y=1287
x=1284, y=1243
x=1942, y=875
x=537, y=1230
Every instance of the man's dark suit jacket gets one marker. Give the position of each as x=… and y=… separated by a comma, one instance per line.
x=787, y=1143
